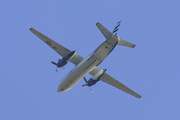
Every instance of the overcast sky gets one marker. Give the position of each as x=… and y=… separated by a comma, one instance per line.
x=28, y=81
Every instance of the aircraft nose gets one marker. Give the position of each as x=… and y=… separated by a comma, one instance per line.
x=60, y=90
x=62, y=87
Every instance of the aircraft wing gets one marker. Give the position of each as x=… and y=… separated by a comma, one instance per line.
x=57, y=47
x=110, y=80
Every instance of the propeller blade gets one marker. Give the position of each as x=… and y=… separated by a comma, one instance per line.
x=91, y=89
x=85, y=79
x=56, y=69
x=53, y=63
x=84, y=85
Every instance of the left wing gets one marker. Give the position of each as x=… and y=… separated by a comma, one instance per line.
x=57, y=47
x=110, y=80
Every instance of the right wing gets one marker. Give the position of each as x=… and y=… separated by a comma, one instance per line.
x=57, y=47
x=110, y=80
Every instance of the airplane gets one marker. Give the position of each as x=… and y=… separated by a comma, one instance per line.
x=89, y=64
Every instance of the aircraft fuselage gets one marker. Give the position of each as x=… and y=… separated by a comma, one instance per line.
x=87, y=64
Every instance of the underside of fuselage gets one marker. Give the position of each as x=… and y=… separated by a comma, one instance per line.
x=88, y=64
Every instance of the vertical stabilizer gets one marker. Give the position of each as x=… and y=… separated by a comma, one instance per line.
x=116, y=28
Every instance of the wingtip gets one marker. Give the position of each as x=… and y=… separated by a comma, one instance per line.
x=30, y=29
x=97, y=23
x=139, y=96
x=134, y=46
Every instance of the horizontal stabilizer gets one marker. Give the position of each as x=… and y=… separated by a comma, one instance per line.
x=107, y=34
x=125, y=43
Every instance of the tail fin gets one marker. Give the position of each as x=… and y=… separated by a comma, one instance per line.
x=116, y=28
x=107, y=34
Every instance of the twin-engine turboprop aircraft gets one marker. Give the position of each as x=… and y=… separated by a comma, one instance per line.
x=90, y=63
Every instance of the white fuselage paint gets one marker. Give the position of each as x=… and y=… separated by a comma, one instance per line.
x=87, y=64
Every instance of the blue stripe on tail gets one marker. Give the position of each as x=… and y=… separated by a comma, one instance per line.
x=116, y=28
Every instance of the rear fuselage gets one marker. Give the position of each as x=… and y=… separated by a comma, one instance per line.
x=88, y=64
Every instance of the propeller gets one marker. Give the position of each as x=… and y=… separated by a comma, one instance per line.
x=53, y=63
x=85, y=79
x=91, y=90
x=86, y=84
x=57, y=65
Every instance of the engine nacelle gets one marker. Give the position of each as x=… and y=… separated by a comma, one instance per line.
x=95, y=78
x=99, y=74
x=66, y=59
x=69, y=56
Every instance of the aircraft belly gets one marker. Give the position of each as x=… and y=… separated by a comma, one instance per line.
x=88, y=64
x=77, y=74
x=104, y=49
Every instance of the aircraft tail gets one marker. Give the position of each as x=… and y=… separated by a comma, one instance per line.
x=116, y=28
x=107, y=34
